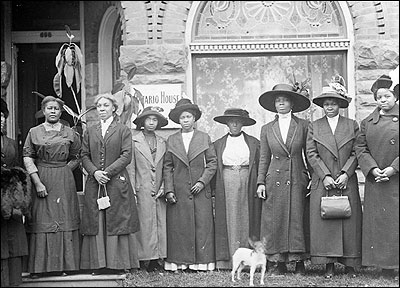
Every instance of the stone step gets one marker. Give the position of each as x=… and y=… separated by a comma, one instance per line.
x=81, y=280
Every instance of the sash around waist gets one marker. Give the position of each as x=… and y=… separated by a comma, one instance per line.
x=235, y=167
x=51, y=164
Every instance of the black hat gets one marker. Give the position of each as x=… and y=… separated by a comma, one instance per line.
x=4, y=108
x=182, y=105
x=237, y=113
x=151, y=110
x=335, y=90
x=299, y=100
x=384, y=81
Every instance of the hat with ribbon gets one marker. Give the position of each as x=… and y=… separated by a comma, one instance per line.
x=336, y=90
x=297, y=93
x=183, y=105
x=151, y=111
x=235, y=113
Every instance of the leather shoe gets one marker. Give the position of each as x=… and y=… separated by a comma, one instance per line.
x=300, y=269
x=350, y=271
x=388, y=273
x=330, y=270
x=282, y=267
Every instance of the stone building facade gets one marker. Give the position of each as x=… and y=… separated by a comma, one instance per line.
x=167, y=42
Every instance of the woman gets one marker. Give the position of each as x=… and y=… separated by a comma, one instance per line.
x=108, y=240
x=145, y=173
x=15, y=201
x=189, y=165
x=237, y=208
x=377, y=149
x=51, y=152
x=283, y=178
x=330, y=152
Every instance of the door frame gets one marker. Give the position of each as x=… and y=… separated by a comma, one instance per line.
x=11, y=38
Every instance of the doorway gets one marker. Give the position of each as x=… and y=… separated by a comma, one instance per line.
x=36, y=70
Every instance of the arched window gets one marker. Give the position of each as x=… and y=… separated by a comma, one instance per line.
x=240, y=49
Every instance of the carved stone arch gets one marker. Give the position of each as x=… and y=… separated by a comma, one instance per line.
x=122, y=18
x=111, y=20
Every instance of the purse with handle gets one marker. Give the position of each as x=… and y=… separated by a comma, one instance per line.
x=335, y=207
x=103, y=202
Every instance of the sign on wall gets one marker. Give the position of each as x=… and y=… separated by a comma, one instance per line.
x=162, y=95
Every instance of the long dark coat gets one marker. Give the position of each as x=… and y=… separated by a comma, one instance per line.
x=283, y=171
x=190, y=222
x=378, y=146
x=254, y=203
x=111, y=154
x=333, y=154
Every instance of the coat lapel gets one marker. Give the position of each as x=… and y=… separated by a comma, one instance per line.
x=277, y=133
x=252, y=149
x=110, y=131
x=197, y=145
x=176, y=147
x=343, y=133
x=142, y=146
x=160, y=149
x=97, y=133
x=323, y=134
x=291, y=133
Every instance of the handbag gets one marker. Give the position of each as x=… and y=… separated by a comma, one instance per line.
x=335, y=207
x=103, y=202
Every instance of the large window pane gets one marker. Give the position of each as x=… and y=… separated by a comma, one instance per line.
x=221, y=82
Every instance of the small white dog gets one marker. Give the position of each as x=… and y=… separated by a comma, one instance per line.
x=250, y=257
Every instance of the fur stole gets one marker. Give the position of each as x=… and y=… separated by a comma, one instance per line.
x=15, y=191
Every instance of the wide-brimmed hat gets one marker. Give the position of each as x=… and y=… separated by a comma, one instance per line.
x=384, y=81
x=182, y=105
x=235, y=113
x=151, y=110
x=335, y=90
x=298, y=97
x=4, y=108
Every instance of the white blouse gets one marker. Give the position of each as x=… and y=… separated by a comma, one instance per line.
x=333, y=122
x=236, y=151
x=284, y=123
x=105, y=124
x=187, y=137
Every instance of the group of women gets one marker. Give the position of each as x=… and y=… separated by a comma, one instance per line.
x=187, y=203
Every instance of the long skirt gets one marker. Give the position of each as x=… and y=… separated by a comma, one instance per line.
x=53, y=252
x=104, y=251
x=237, y=211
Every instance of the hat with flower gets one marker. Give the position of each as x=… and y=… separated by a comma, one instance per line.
x=336, y=90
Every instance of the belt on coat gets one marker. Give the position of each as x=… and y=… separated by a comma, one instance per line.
x=236, y=167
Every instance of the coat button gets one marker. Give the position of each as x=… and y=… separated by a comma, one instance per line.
x=278, y=183
x=276, y=157
x=288, y=182
x=335, y=159
x=392, y=141
x=190, y=197
x=278, y=171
